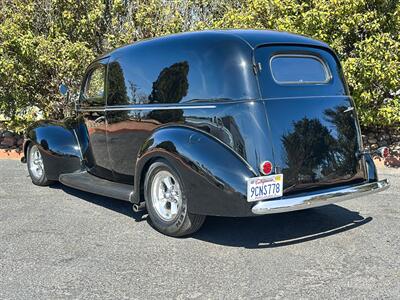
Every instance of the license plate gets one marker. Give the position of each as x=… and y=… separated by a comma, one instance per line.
x=264, y=187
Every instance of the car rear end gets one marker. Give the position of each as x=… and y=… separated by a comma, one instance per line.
x=315, y=139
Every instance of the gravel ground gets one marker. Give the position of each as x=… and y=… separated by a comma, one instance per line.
x=58, y=243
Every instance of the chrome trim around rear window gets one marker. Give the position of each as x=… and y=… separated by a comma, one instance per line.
x=318, y=199
x=327, y=71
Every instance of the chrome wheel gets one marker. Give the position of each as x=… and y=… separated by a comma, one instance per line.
x=166, y=195
x=166, y=202
x=36, y=162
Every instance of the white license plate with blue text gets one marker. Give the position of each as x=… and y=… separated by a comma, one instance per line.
x=264, y=187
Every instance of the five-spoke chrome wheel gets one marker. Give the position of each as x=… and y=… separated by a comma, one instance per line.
x=35, y=162
x=166, y=195
x=36, y=167
x=166, y=201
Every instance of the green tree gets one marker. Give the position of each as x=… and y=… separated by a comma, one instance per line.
x=46, y=42
x=364, y=33
x=36, y=56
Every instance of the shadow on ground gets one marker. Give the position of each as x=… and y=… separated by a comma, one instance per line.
x=118, y=206
x=279, y=230
x=268, y=231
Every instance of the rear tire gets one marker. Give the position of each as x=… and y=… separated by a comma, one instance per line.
x=166, y=202
x=36, y=166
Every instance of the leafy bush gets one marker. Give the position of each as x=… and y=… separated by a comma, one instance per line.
x=45, y=43
x=364, y=33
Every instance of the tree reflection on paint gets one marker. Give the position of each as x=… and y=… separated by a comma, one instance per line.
x=170, y=87
x=314, y=153
x=346, y=140
x=308, y=149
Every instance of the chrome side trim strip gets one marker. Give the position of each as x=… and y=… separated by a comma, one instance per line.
x=144, y=107
x=321, y=199
x=92, y=109
x=153, y=107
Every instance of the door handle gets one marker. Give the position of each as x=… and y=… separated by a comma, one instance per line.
x=99, y=119
x=350, y=108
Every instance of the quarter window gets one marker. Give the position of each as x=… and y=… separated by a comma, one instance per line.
x=299, y=69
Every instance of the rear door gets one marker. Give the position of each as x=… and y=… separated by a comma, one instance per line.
x=314, y=128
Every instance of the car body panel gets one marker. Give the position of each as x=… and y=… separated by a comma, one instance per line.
x=227, y=122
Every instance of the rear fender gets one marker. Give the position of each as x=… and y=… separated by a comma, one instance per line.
x=59, y=147
x=214, y=176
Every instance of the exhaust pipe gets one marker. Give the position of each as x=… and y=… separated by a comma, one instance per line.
x=139, y=207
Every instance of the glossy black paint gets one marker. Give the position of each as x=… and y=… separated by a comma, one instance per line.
x=215, y=184
x=207, y=103
x=58, y=145
x=186, y=68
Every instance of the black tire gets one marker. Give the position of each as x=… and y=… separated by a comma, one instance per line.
x=184, y=223
x=37, y=179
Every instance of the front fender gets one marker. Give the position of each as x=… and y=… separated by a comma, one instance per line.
x=214, y=176
x=58, y=144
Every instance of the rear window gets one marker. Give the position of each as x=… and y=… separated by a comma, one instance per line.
x=299, y=69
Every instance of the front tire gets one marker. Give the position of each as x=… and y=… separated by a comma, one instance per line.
x=36, y=166
x=166, y=202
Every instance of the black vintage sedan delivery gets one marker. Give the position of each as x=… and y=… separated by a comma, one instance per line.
x=225, y=123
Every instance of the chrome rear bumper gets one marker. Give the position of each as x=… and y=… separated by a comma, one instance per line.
x=319, y=199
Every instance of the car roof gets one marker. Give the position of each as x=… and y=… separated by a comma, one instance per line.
x=256, y=38
x=253, y=38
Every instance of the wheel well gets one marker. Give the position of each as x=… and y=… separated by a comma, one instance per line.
x=143, y=177
x=26, y=146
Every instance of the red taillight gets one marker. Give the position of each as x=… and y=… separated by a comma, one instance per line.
x=385, y=152
x=382, y=152
x=266, y=167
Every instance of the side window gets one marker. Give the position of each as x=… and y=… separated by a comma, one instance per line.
x=93, y=91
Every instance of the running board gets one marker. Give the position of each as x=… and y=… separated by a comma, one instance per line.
x=87, y=182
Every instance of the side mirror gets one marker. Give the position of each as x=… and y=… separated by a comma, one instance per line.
x=63, y=89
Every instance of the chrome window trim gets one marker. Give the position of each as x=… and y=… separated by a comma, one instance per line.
x=88, y=78
x=328, y=74
x=144, y=107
